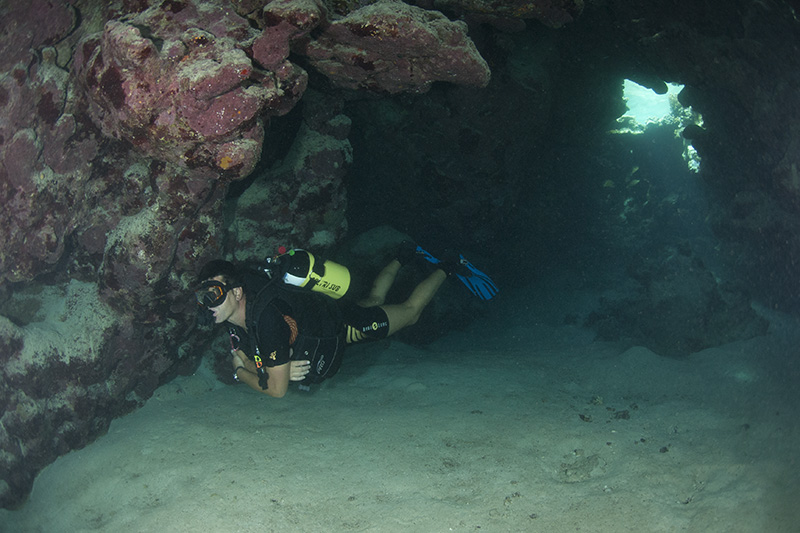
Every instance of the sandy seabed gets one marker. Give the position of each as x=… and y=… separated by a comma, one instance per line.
x=515, y=425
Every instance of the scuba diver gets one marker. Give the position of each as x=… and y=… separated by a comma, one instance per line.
x=287, y=322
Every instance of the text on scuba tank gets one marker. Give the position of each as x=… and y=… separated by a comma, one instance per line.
x=329, y=286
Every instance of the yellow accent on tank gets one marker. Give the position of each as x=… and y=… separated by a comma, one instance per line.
x=334, y=282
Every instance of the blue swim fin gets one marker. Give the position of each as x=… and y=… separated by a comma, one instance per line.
x=427, y=255
x=478, y=283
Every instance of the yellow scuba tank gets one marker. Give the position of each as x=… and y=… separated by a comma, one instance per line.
x=301, y=269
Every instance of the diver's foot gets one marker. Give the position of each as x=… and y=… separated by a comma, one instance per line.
x=407, y=252
x=450, y=262
x=457, y=266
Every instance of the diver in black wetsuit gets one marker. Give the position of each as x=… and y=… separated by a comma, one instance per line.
x=280, y=335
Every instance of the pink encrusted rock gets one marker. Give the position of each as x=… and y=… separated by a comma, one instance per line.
x=246, y=7
x=283, y=20
x=176, y=83
x=31, y=24
x=552, y=13
x=393, y=47
x=172, y=231
x=35, y=132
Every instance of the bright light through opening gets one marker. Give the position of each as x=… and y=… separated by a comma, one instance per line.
x=644, y=105
x=646, y=108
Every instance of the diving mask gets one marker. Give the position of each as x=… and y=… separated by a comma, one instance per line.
x=211, y=293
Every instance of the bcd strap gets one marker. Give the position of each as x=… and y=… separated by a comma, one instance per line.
x=324, y=351
x=263, y=377
x=317, y=273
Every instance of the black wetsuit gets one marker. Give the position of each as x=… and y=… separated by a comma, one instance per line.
x=294, y=324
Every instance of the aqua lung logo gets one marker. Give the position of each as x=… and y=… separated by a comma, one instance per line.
x=375, y=326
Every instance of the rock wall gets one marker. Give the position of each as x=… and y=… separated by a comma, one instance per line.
x=124, y=124
x=300, y=202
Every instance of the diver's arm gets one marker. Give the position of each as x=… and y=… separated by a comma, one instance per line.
x=245, y=371
x=297, y=369
x=277, y=383
x=268, y=371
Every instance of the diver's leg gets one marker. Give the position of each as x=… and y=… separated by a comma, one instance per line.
x=408, y=312
x=380, y=287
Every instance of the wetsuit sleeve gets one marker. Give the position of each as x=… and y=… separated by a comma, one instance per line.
x=273, y=338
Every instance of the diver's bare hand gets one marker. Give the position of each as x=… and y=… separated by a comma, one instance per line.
x=298, y=370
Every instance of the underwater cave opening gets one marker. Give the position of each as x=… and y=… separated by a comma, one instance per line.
x=646, y=108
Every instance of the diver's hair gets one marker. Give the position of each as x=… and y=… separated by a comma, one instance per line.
x=230, y=273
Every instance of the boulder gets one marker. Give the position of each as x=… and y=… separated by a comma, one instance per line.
x=677, y=308
x=176, y=83
x=393, y=47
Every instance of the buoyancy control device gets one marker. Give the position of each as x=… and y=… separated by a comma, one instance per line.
x=300, y=272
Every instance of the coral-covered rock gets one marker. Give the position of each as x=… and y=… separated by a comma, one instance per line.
x=122, y=226
x=553, y=13
x=40, y=155
x=78, y=206
x=60, y=389
x=283, y=21
x=139, y=251
x=26, y=26
x=60, y=337
x=97, y=349
x=393, y=47
x=176, y=83
x=301, y=202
